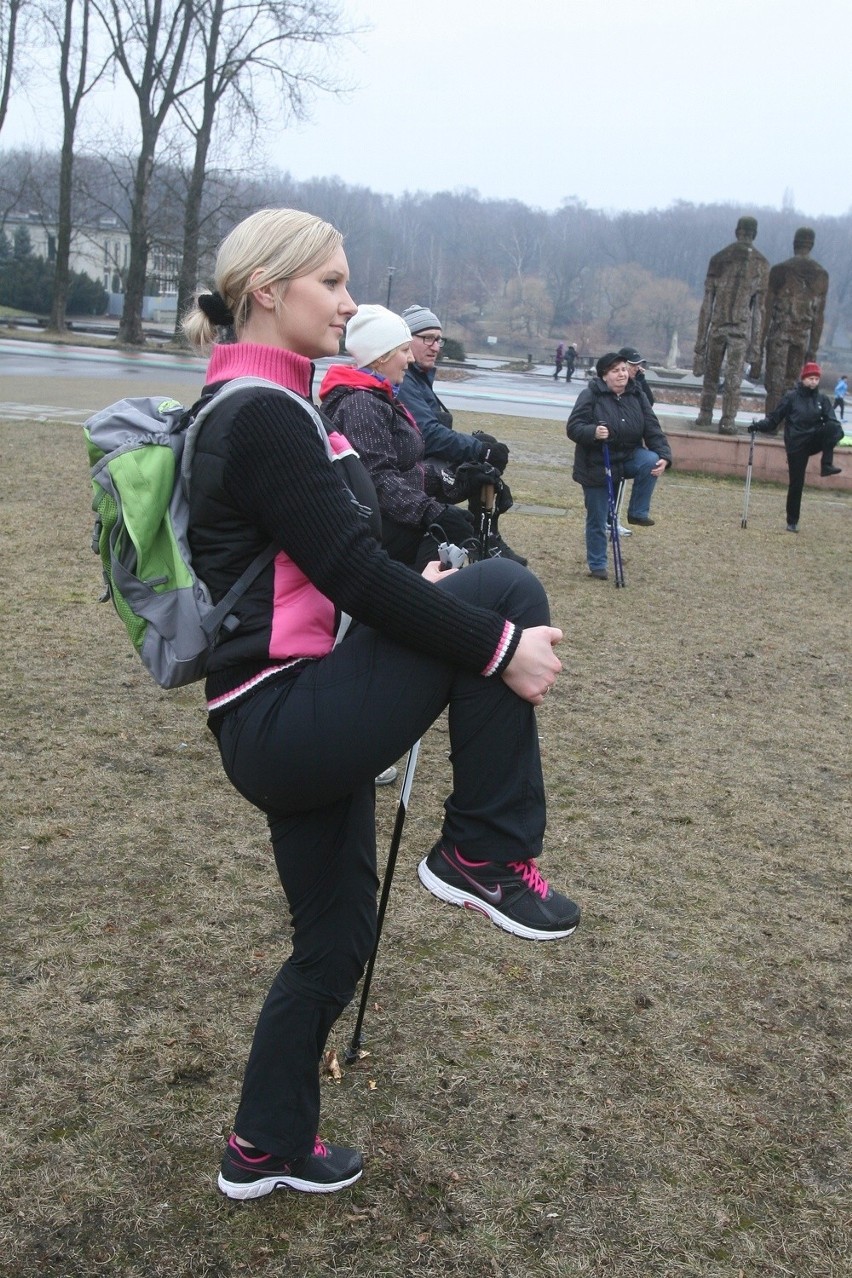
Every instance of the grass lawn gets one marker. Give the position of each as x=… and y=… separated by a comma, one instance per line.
x=664, y=1094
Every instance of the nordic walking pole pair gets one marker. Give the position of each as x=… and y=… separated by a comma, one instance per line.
x=617, y=562
x=744, y=520
x=396, y=838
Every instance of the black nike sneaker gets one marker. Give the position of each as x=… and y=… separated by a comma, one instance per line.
x=514, y=896
x=251, y=1174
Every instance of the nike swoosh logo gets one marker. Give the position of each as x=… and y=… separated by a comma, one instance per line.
x=492, y=895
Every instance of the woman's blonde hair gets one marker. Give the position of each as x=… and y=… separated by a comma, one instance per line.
x=271, y=246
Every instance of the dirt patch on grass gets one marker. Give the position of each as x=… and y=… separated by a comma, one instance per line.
x=665, y=1094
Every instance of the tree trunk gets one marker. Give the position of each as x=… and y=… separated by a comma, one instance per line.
x=8, y=67
x=188, y=279
x=130, y=326
x=62, y=271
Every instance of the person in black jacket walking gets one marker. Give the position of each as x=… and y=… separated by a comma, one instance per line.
x=612, y=410
x=810, y=426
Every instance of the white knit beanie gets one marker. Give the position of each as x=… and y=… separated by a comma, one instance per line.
x=374, y=331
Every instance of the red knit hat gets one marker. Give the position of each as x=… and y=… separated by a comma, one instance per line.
x=811, y=370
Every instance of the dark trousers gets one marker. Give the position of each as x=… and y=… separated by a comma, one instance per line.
x=306, y=751
x=822, y=441
x=410, y=545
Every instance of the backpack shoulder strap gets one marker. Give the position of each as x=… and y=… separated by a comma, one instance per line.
x=237, y=386
x=218, y=617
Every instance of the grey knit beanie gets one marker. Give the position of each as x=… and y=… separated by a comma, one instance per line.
x=419, y=318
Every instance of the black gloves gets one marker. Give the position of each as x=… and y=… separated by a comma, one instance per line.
x=452, y=525
x=467, y=480
x=493, y=452
x=763, y=426
x=504, y=498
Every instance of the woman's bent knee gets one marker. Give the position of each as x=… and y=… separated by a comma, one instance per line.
x=504, y=586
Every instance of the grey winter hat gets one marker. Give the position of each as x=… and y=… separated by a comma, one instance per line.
x=418, y=318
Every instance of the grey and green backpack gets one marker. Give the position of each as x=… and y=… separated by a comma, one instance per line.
x=140, y=454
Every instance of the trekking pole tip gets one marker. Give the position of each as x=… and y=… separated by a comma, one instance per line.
x=351, y=1054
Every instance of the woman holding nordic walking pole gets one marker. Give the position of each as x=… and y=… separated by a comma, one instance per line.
x=308, y=709
x=612, y=413
x=810, y=427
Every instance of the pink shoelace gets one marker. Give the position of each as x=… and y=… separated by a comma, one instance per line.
x=320, y=1150
x=531, y=875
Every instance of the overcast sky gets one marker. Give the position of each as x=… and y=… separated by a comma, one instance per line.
x=621, y=104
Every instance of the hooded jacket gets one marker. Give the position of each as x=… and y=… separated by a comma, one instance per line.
x=632, y=423
x=388, y=442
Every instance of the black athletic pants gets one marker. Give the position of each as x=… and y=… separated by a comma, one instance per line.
x=306, y=751
x=822, y=441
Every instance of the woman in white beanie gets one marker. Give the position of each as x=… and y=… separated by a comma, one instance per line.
x=362, y=403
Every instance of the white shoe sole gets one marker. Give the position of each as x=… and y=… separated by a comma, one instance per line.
x=267, y=1184
x=458, y=896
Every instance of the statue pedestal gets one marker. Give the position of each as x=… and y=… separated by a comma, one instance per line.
x=709, y=453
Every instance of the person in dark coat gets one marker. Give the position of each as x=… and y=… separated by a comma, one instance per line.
x=612, y=410
x=570, y=362
x=445, y=445
x=810, y=426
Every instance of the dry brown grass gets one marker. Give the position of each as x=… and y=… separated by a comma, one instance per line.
x=665, y=1094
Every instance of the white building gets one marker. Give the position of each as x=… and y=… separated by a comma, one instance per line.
x=101, y=251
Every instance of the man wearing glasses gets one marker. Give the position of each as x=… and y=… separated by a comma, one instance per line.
x=451, y=448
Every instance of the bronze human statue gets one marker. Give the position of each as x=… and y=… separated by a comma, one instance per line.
x=792, y=325
x=730, y=322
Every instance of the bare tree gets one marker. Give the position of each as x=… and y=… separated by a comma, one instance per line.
x=243, y=48
x=69, y=24
x=10, y=17
x=16, y=181
x=567, y=254
x=150, y=41
x=519, y=239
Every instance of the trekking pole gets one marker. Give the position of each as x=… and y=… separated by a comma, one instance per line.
x=488, y=499
x=411, y=763
x=617, y=562
x=619, y=499
x=744, y=520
